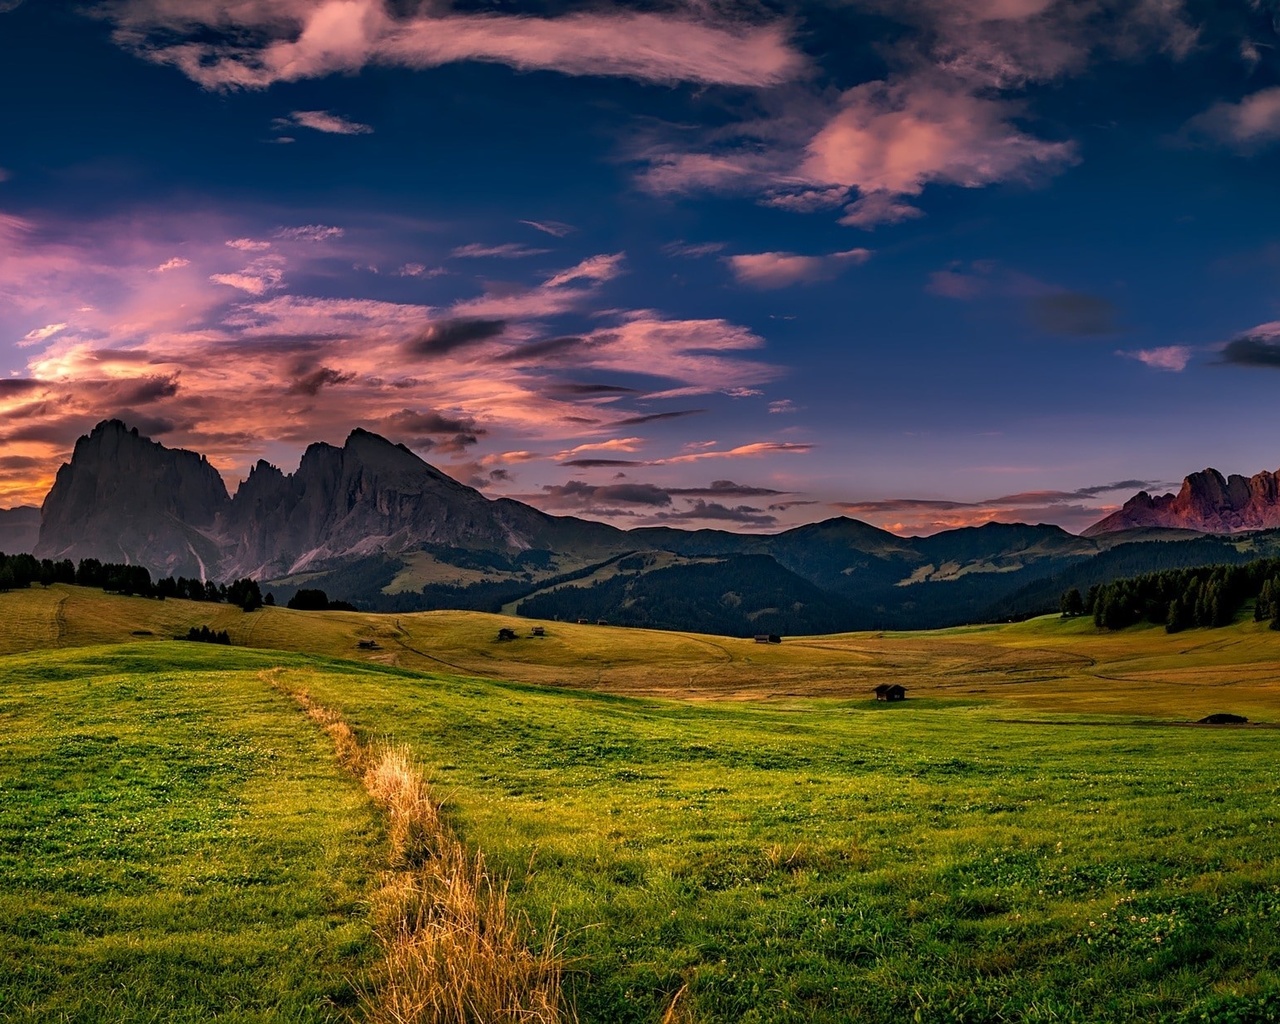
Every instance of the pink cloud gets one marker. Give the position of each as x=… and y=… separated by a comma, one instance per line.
x=507, y=251
x=1253, y=121
x=1173, y=358
x=780, y=269
x=324, y=121
x=896, y=138
x=313, y=38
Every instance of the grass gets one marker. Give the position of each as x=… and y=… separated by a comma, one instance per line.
x=1044, y=665
x=173, y=847
x=1028, y=838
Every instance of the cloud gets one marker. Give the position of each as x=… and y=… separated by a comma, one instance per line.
x=1168, y=357
x=1259, y=346
x=509, y=251
x=615, y=444
x=601, y=463
x=658, y=417
x=264, y=274
x=450, y=335
x=752, y=450
x=725, y=489
x=579, y=493
x=174, y=263
x=310, y=233
x=606, y=391
x=321, y=377
x=1252, y=122
x=555, y=228
x=693, y=250
x=594, y=269
x=249, y=245
x=783, y=405
x=1075, y=314
x=41, y=334
x=420, y=270
x=254, y=45
x=712, y=511
x=894, y=138
x=878, y=208
x=780, y=269
x=324, y=121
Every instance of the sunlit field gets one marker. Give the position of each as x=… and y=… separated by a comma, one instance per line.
x=1036, y=834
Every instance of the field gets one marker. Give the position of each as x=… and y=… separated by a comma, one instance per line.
x=712, y=830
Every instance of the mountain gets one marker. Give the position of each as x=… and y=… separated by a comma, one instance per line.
x=125, y=498
x=19, y=529
x=1206, y=503
x=372, y=523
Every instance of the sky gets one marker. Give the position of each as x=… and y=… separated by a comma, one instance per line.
x=697, y=263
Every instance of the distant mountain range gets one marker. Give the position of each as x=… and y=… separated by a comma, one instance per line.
x=372, y=523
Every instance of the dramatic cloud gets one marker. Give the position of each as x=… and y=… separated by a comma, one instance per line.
x=1257, y=347
x=1073, y=313
x=323, y=121
x=255, y=44
x=779, y=269
x=259, y=276
x=1168, y=357
x=725, y=489
x=1253, y=122
x=176, y=263
x=451, y=335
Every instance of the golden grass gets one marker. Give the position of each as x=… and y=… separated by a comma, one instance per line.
x=1046, y=664
x=454, y=952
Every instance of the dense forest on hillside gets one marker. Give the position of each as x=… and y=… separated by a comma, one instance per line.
x=1207, y=596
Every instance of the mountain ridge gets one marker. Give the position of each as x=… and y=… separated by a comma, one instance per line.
x=373, y=523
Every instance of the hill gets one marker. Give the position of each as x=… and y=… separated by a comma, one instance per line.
x=179, y=842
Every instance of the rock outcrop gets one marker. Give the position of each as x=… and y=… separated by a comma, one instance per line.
x=1206, y=503
x=125, y=498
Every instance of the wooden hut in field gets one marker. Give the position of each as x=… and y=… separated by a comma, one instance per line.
x=891, y=691
x=768, y=638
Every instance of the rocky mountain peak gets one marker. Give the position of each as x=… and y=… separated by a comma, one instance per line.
x=1206, y=502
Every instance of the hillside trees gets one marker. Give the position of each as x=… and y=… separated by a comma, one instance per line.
x=1207, y=597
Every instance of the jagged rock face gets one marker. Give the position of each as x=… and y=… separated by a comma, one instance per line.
x=367, y=497
x=1207, y=503
x=126, y=498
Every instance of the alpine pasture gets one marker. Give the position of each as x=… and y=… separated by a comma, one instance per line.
x=687, y=828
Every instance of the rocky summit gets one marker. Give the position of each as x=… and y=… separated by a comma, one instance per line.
x=1206, y=503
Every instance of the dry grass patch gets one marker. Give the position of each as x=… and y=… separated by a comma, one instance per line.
x=454, y=950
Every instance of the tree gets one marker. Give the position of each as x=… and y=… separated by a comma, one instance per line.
x=1072, y=604
x=309, y=601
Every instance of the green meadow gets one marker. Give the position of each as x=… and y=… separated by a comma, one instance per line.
x=1037, y=834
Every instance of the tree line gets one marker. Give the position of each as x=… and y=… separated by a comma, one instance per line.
x=1207, y=596
x=18, y=572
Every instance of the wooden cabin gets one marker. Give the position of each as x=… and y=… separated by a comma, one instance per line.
x=768, y=638
x=538, y=631
x=891, y=691
x=506, y=634
x=367, y=645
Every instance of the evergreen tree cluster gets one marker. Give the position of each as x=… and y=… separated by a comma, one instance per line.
x=1207, y=596
x=205, y=635
x=318, y=601
x=18, y=572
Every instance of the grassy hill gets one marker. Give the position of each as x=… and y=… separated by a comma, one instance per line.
x=1031, y=836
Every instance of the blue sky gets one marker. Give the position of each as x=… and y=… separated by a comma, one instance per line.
x=696, y=263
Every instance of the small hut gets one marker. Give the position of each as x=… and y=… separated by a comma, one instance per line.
x=538, y=631
x=768, y=638
x=506, y=634
x=367, y=645
x=891, y=691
